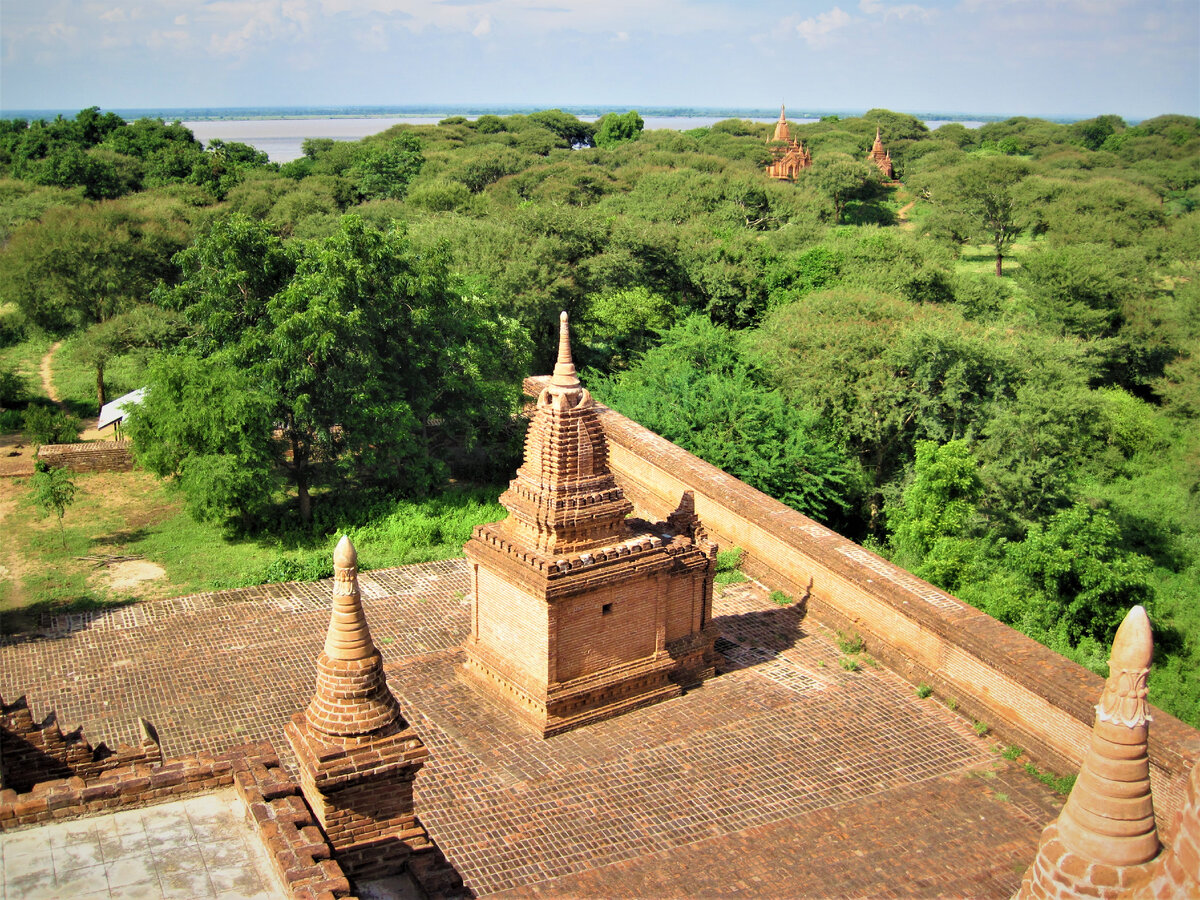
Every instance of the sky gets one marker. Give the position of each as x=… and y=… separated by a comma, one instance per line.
x=1057, y=58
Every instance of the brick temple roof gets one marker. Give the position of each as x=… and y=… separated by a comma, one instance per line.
x=786, y=776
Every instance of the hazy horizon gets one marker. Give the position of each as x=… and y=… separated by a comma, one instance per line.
x=1066, y=60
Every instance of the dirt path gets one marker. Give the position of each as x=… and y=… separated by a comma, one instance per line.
x=88, y=432
x=48, y=373
x=902, y=214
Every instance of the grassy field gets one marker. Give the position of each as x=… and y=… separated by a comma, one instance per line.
x=133, y=514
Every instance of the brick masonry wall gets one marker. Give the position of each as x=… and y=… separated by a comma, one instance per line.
x=521, y=622
x=1027, y=694
x=94, y=456
x=298, y=849
x=589, y=640
x=32, y=752
x=137, y=784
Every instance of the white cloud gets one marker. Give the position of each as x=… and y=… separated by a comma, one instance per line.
x=816, y=30
x=373, y=39
x=483, y=28
x=116, y=14
x=901, y=11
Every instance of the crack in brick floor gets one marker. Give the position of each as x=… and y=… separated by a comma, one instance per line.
x=783, y=753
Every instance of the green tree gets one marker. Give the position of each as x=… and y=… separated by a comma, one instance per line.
x=1083, y=579
x=983, y=192
x=53, y=492
x=696, y=390
x=939, y=502
x=365, y=356
x=76, y=267
x=842, y=179
x=613, y=128
x=144, y=326
x=385, y=172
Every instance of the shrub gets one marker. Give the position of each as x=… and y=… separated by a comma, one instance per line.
x=727, y=566
x=12, y=388
x=850, y=665
x=850, y=643
x=924, y=690
x=44, y=425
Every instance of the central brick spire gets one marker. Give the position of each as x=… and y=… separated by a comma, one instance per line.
x=781, y=127
x=564, y=498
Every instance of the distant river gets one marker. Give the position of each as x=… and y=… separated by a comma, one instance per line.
x=280, y=139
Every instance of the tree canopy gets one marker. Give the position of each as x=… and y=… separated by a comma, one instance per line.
x=351, y=359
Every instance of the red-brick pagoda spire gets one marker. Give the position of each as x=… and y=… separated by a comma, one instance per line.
x=788, y=157
x=352, y=697
x=881, y=158
x=580, y=613
x=1106, y=833
x=357, y=755
x=781, y=127
x=564, y=498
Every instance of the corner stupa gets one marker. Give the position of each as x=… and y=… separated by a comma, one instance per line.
x=1106, y=836
x=356, y=753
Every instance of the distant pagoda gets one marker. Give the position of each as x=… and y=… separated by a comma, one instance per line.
x=788, y=157
x=881, y=158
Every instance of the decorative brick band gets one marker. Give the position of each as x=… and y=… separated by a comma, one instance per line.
x=1027, y=693
x=93, y=456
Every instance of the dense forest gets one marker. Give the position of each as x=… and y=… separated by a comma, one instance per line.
x=988, y=370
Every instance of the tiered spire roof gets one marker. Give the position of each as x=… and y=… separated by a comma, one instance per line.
x=564, y=497
x=781, y=127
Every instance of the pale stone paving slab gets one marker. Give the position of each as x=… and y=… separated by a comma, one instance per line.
x=193, y=849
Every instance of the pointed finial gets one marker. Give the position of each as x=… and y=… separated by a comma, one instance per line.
x=348, y=637
x=564, y=370
x=344, y=554
x=782, y=113
x=1109, y=816
x=1124, y=699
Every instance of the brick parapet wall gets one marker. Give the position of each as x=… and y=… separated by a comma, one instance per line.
x=138, y=784
x=33, y=752
x=299, y=851
x=93, y=456
x=1028, y=694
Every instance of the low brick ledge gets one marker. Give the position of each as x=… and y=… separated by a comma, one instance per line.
x=1026, y=693
x=89, y=456
x=139, y=784
x=298, y=849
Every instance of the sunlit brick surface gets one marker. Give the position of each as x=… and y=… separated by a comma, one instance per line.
x=783, y=776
